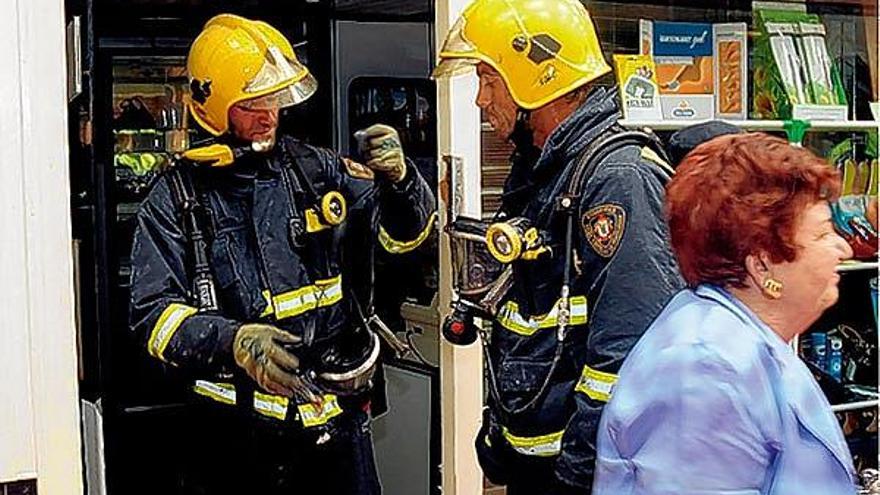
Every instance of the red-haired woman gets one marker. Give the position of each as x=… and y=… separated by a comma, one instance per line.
x=713, y=399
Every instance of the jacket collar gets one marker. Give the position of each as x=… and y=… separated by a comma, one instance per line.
x=595, y=115
x=747, y=316
x=802, y=394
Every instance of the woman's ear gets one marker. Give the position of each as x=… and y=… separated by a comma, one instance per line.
x=758, y=268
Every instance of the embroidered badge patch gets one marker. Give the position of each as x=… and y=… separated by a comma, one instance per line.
x=603, y=226
x=357, y=170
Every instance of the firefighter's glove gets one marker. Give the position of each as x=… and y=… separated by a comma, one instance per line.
x=381, y=148
x=263, y=352
x=855, y=218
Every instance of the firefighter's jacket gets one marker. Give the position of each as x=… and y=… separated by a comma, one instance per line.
x=263, y=272
x=623, y=273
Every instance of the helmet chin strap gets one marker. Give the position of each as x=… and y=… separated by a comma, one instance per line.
x=522, y=135
x=525, y=155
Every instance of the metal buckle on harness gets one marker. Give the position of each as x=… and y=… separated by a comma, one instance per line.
x=295, y=231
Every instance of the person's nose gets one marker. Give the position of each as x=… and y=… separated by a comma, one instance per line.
x=843, y=247
x=483, y=97
x=268, y=118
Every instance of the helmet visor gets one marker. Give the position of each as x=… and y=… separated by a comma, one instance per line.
x=278, y=70
x=293, y=94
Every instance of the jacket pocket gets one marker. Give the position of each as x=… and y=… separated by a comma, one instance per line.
x=235, y=293
x=520, y=380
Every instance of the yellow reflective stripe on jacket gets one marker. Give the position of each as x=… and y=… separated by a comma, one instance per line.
x=321, y=293
x=165, y=328
x=274, y=406
x=221, y=392
x=510, y=318
x=540, y=446
x=311, y=416
x=394, y=246
x=598, y=385
x=651, y=155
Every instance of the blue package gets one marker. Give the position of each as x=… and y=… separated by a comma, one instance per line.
x=820, y=350
x=682, y=39
x=835, y=357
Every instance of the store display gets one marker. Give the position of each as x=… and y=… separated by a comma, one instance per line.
x=794, y=76
x=731, y=71
x=685, y=60
x=636, y=76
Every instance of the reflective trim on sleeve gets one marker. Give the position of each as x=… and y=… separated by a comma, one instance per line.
x=651, y=155
x=221, y=392
x=540, y=446
x=394, y=246
x=598, y=385
x=510, y=318
x=165, y=328
x=311, y=416
x=320, y=294
x=274, y=406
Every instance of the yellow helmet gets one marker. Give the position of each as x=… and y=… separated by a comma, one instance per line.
x=543, y=49
x=235, y=60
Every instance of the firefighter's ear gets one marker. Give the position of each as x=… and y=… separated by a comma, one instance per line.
x=215, y=155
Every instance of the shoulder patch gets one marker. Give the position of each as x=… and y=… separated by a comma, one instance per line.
x=357, y=170
x=603, y=227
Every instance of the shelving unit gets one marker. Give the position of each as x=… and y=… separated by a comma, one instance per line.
x=854, y=406
x=756, y=125
x=853, y=266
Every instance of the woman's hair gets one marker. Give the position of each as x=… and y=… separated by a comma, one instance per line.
x=738, y=195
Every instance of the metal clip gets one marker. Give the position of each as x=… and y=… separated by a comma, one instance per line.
x=399, y=347
x=295, y=231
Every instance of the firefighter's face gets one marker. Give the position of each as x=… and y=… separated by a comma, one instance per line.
x=495, y=100
x=253, y=124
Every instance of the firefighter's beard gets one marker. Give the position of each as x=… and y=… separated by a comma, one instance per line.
x=263, y=145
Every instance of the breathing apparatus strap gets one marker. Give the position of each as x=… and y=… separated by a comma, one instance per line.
x=204, y=293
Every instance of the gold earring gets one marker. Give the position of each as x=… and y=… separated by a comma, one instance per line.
x=772, y=288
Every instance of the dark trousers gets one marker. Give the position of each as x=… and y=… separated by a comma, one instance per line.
x=232, y=452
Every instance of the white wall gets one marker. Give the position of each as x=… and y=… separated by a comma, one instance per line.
x=461, y=368
x=39, y=419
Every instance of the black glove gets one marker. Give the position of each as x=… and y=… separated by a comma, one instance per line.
x=262, y=351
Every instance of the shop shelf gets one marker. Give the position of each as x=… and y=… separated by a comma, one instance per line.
x=757, y=125
x=852, y=406
x=852, y=266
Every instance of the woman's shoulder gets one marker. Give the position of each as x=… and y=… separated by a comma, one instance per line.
x=698, y=331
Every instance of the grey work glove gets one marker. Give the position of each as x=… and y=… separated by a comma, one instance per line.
x=260, y=350
x=381, y=148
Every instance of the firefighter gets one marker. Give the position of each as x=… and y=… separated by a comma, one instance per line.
x=241, y=278
x=581, y=224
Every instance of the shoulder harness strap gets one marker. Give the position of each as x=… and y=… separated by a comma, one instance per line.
x=183, y=192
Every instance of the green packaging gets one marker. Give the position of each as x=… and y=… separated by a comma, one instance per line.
x=792, y=68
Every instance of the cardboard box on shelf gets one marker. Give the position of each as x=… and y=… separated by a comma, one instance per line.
x=685, y=60
x=639, y=94
x=731, y=71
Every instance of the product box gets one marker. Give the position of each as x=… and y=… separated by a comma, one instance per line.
x=639, y=94
x=684, y=56
x=731, y=71
x=793, y=74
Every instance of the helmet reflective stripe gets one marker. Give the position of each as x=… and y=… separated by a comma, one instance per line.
x=541, y=53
